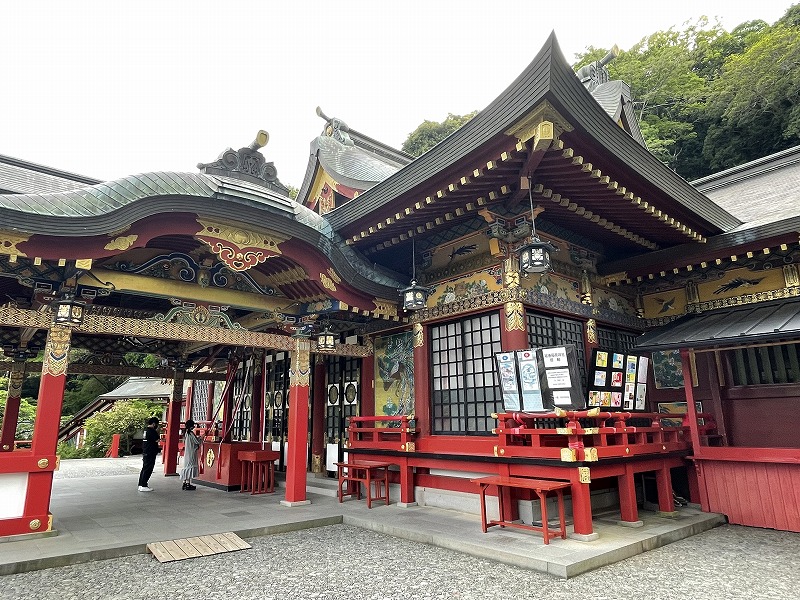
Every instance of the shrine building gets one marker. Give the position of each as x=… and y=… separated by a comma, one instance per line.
x=536, y=304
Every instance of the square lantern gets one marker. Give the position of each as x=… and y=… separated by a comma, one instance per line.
x=415, y=297
x=534, y=257
x=68, y=311
x=326, y=341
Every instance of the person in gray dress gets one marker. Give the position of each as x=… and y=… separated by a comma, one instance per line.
x=191, y=445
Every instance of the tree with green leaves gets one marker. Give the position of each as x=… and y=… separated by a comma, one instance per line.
x=126, y=417
x=27, y=412
x=430, y=133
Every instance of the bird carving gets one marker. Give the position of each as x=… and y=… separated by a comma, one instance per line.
x=666, y=305
x=737, y=283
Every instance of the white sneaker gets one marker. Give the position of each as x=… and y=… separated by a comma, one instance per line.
x=144, y=488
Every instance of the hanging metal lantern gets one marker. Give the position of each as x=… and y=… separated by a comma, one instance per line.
x=415, y=297
x=68, y=311
x=534, y=257
x=326, y=341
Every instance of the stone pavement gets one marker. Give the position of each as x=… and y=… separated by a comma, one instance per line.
x=98, y=514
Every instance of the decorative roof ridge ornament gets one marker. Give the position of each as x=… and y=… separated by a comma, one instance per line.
x=247, y=164
x=596, y=73
x=336, y=129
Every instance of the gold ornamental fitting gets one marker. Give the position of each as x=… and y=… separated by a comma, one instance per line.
x=43, y=463
x=584, y=475
x=6, y=447
x=35, y=524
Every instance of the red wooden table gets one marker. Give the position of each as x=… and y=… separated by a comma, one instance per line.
x=542, y=487
x=373, y=474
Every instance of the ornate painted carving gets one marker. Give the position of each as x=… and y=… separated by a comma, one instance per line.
x=528, y=127
x=238, y=247
x=511, y=272
x=300, y=370
x=56, y=351
x=334, y=275
x=182, y=267
x=515, y=316
x=122, y=242
x=419, y=335
x=204, y=316
x=15, y=379
x=9, y=241
x=591, y=331
x=383, y=307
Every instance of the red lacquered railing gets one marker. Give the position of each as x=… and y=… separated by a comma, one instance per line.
x=385, y=433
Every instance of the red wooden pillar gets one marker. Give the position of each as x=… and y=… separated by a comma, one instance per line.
x=691, y=409
x=227, y=404
x=581, y=505
x=170, y=451
x=11, y=414
x=318, y=417
x=210, y=403
x=666, y=503
x=422, y=367
x=629, y=512
x=42, y=458
x=367, y=386
x=299, y=373
x=513, y=330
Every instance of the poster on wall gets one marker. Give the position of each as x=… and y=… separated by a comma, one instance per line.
x=509, y=386
x=394, y=374
x=617, y=381
x=530, y=387
x=560, y=378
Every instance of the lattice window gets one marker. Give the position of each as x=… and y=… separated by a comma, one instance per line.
x=546, y=330
x=276, y=396
x=765, y=365
x=614, y=339
x=342, y=395
x=200, y=400
x=465, y=389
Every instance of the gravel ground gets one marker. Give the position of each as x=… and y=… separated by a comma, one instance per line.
x=347, y=562
x=342, y=561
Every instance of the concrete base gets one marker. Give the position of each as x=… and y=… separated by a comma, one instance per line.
x=295, y=503
x=406, y=504
x=583, y=537
x=668, y=515
x=630, y=523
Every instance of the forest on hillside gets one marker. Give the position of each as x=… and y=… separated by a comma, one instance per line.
x=707, y=99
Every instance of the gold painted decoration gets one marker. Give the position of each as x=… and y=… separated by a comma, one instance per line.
x=591, y=331
x=43, y=463
x=35, y=524
x=544, y=113
x=84, y=264
x=515, y=316
x=15, y=379
x=511, y=272
x=383, y=307
x=419, y=335
x=9, y=241
x=56, y=352
x=334, y=275
x=300, y=370
x=239, y=248
x=122, y=242
x=326, y=282
x=791, y=276
x=584, y=475
x=210, y=457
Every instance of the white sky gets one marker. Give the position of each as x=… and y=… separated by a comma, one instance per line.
x=111, y=88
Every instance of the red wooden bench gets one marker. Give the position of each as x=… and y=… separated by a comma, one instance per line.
x=542, y=487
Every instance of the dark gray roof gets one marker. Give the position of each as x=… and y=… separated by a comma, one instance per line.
x=615, y=98
x=113, y=205
x=760, y=192
x=748, y=324
x=548, y=77
x=352, y=166
x=141, y=387
x=23, y=177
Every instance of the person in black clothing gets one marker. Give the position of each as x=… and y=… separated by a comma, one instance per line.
x=149, y=452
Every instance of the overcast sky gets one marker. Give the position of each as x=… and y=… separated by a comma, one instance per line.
x=112, y=88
